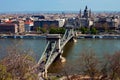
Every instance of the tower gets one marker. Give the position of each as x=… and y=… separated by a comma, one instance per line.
x=80, y=14
x=86, y=13
x=90, y=13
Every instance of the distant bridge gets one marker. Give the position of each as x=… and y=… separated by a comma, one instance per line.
x=54, y=48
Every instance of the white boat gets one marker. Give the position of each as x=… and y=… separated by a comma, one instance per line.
x=21, y=37
x=93, y=36
x=100, y=37
x=14, y=37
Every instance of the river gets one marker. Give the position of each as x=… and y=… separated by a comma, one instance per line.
x=71, y=52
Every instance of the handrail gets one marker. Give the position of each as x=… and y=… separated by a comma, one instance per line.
x=51, y=54
x=43, y=52
x=64, y=34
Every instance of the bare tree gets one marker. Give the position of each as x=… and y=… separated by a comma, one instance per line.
x=89, y=64
x=113, y=66
x=19, y=64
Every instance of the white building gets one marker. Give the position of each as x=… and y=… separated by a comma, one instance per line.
x=61, y=22
x=28, y=25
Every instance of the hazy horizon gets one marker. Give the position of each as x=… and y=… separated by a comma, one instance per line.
x=32, y=12
x=58, y=5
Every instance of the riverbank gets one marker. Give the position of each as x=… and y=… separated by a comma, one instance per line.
x=22, y=36
x=106, y=36
x=73, y=77
x=82, y=36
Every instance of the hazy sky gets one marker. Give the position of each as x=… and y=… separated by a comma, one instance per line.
x=58, y=5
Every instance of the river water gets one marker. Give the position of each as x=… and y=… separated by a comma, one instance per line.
x=71, y=52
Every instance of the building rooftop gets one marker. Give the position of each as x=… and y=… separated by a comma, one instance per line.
x=6, y=25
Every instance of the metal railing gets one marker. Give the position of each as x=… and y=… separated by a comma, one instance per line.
x=43, y=54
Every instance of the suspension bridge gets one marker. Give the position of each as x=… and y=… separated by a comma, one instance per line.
x=54, y=48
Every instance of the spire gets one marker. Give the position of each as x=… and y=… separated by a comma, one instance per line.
x=86, y=7
x=80, y=13
x=90, y=13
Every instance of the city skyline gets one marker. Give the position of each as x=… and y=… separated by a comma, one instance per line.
x=58, y=5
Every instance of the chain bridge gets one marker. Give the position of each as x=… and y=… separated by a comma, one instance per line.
x=54, y=48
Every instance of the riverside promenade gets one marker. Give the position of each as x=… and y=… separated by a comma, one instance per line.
x=80, y=36
x=30, y=36
x=104, y=36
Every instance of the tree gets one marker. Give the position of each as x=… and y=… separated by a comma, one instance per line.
x=57, y=30
x=113, y=66
x=93, y=31
x=84, y=30
x=4, y=75
x=89, y=64
x=52, y=31
x=18, y=65
x=61, y=30
x=43, y=30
